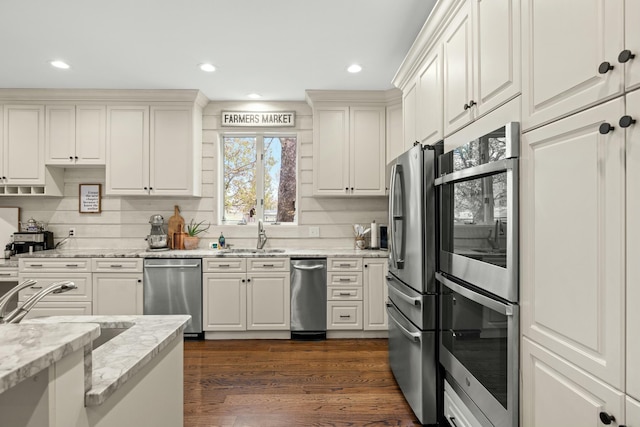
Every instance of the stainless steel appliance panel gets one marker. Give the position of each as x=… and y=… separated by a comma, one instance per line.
x=411, y=230
x=412, y=355
x=419, y=308
x=479, y=348
x=308, y=297
x=174, y=286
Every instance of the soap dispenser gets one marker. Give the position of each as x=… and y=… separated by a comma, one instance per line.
x=221, y=241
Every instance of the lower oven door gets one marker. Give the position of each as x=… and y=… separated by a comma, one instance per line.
x=412, y=357
x=479, y=349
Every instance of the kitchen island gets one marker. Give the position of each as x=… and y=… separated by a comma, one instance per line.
x=57, y=371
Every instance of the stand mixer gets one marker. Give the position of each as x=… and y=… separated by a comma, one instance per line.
x=157, y=238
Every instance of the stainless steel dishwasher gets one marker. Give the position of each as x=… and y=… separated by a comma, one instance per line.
x=308, y=298
x=174, y=286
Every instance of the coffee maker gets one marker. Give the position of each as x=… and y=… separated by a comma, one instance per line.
x=157, y=238
x=25, y=242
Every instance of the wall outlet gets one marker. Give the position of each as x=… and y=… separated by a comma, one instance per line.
x=72, y=232
x=314, y=231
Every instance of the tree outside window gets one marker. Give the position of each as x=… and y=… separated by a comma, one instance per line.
x=259, y=178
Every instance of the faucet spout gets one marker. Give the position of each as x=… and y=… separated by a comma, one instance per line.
x=56, y=288
x=262, y=235
x=13, y=291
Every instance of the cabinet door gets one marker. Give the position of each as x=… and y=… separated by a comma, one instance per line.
x=395, y=142
x=224, y=296
x=565, y=42
x=268, y=301
x=572, y=249
x=64, y=308
x=91, y=134
x=632, y=43
x=117, y=293
x=367, y=151
x=429, y=99
x=556, y=393
x=82, y=292
x=331, y=151
x=60, y=137
x=344, y=315
x=24, y=144
x=632, y=412
x=171, y=164
x=497, y=52
x=375, y=294
x=409, y=113
x=633, y=247
x=127, y=171
x=458, y=71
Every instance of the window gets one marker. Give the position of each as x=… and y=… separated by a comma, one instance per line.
x=259, y=178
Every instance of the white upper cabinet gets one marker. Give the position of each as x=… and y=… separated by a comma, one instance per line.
x=570, y=56
x=633, y=246
x=23, y=146
x=409, y=113
x=349, y=147
x=429, y=116
x=631, y=44
x=395, y=141
x=163, y=150
x=481, y=60
x=75, y=135
x=572, y=240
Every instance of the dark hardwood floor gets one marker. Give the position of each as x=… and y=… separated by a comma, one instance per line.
x=291, y=383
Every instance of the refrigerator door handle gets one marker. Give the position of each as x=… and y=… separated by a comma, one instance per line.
x=413, y=336
x=398, y=261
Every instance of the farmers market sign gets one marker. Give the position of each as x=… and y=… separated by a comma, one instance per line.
x=259, y=118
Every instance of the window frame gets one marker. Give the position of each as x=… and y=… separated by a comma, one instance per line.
x=260, y=169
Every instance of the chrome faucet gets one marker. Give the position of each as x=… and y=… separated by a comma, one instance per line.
x=262, y=236
x=495, y=240
x=4, y=301
x=18, y=314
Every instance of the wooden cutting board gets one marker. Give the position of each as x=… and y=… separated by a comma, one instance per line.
x=175, y=225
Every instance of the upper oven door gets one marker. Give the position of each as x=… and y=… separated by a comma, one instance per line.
x=478, y=192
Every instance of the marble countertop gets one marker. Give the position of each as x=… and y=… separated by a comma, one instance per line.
x=26, y=349
x=204, y=253
x=113, y=363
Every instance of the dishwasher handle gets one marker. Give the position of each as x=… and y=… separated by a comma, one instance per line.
x=172, y=266
x=308, y=267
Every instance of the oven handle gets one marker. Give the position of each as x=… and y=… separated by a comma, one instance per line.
x=506, y=309
x=413, y=336
x=477, y=171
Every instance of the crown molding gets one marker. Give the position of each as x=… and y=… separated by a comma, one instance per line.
x=105, y=95
x=352, y=96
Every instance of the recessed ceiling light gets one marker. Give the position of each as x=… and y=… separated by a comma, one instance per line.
x=59, y=64
x=254, y=96
x=355, y=68
x=209, y=68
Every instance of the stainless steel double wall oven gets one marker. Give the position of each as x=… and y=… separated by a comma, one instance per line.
x=478, y=273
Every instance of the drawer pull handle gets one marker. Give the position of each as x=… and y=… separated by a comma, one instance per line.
x=224, y=265
x=345, y=294
x=453, y=421
x=344, y=265
x=116, y=265
x=5, y=274
x=36, y=287
x=342, y=279
x=71, y=265
x=36, y=265
x=268, y=265
x=345, y=316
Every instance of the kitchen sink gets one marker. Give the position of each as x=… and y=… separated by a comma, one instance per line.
x=107, y=334
x=255, y=251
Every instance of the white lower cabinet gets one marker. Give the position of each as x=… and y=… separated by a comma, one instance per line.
x=375, y=294
x=61, y=308
x=548, y=379
x=344, y=315
x=344, y=294
x=117, y=286
x=455, y=411
x=241, y=300
x=632, y=412
x=71, y=303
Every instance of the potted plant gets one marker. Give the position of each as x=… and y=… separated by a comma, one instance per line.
x=192, y=240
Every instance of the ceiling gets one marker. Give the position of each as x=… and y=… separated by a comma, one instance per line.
x=276, y=48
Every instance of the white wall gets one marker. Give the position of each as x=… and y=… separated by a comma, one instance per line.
x=123, y=222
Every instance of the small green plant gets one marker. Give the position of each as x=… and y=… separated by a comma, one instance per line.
x=193, y=229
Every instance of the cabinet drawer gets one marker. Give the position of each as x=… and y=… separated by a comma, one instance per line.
x=344, y=264
x=81, y=280
x=267, y=264
x=224, y=265
x=117, y=265
x=62, y=308
x=340, y=293
x=344, y=315
x=455, y=411
x=344, y=279
x=8, y=274
x=54, y=264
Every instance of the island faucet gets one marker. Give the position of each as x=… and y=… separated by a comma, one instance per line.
x=4, y=301
x=18, y=314
x=262, y=236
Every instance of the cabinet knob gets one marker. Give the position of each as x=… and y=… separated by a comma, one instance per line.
x=607, y=418
x=243, y=280
x=605, y=128
x=346, y=188
x=139, y=280
x=76, y=157
x=366, y=265
x=626, y=121
x=150, y=188
x=351, y=188
x=625, y=56
x=466, y=107
x=70, y=157
x=145, y=188
x=605, y=67
x=472, y=103
x=248, y=280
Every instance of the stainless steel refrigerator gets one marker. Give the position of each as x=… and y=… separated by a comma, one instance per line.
x=413, y=296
